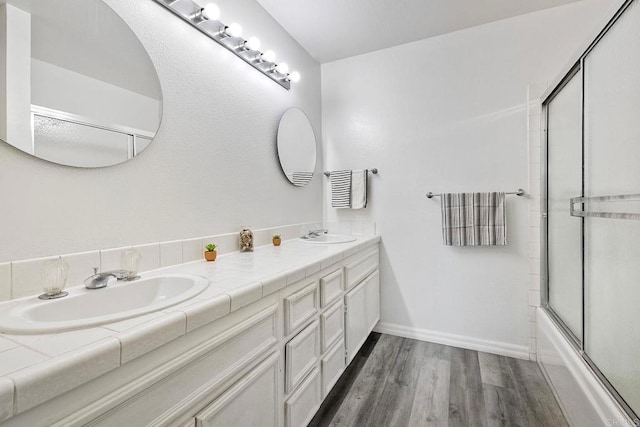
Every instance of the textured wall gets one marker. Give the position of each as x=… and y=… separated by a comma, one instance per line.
x=448, y=114
x=212, y=167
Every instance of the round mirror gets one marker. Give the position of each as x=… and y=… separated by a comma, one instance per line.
x=296, y=147
x=79, y=89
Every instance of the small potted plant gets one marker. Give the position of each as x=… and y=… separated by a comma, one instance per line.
x=276, y=240
x=210, y=254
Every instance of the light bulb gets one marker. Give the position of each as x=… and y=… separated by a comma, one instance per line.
x=294, y=77
x=282, y=68
x=234, y=30
x=211, y=11
x=269, y=56
x=253, y=43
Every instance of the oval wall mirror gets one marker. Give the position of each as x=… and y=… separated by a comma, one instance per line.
x=79, y=88
x=296, y=147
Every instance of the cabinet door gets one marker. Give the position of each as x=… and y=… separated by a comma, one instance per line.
x=373, y=300
x=252, y=401
x=301, y=355
x=304, y=403
x=362, y=313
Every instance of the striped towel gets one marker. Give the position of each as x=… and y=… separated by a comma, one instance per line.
x=473, y=219
x=300, y=179
x=341, y=189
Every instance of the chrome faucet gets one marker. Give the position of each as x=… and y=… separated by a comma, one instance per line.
x=100, y=280
x=315, y=233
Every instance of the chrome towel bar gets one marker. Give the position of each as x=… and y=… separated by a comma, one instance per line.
x=520, y=192
x=373, y=171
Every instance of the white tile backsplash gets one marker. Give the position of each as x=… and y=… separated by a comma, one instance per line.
x=368, y=227
x=228, y=243
x=81, y=266
x=26, y=277
x=5, y=281
x=192, y=250
x=150, y=259
x=262, y=237
x=345, y=227
x=22, y=278
x=170, y=253
x=110, y=258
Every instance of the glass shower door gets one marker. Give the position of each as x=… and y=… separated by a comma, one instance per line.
x=612, y=227
x=564, y=176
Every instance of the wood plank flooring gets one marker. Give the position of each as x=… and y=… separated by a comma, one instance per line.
x=398, y=382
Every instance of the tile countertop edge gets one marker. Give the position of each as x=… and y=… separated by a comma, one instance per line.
x=22, y=390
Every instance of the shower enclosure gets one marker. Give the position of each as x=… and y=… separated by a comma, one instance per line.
x=592, y=208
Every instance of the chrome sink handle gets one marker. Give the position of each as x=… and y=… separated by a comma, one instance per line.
x=100, y=280
x=315, y=233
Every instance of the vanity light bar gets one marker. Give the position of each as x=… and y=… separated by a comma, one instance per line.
x=205, y=19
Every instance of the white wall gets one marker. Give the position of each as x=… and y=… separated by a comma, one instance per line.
x=212, y=167
x=448, y=114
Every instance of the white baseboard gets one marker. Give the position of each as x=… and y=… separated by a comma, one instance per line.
x=487, y=346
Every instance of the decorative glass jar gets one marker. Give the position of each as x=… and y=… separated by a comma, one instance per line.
x=246, y=240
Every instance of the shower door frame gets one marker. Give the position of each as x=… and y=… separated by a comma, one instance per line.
x=578, y=343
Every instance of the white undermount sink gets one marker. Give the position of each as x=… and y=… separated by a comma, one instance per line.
x=84, y=308
x=328, y=239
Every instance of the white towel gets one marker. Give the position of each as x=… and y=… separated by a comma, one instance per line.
x=359, y=189
x=341, y=189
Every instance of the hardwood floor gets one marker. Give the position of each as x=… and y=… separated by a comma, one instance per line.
x=399, y=382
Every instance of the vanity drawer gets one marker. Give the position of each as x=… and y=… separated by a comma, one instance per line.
x=331, y=288
x=332, y=325
x=167, y=392
x=333, y=364
x=301, y=355
x=303, y=404
x=361, y=268
x=300, y=307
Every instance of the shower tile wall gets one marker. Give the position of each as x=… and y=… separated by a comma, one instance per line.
x=535, y=138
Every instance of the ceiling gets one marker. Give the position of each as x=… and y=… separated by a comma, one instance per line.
x=336, y=29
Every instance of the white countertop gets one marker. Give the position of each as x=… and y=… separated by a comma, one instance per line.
x=36, y=368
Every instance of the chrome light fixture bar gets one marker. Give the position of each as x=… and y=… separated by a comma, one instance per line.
x=206, y=20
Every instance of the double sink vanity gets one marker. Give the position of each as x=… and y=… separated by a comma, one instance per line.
x=251, y=339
